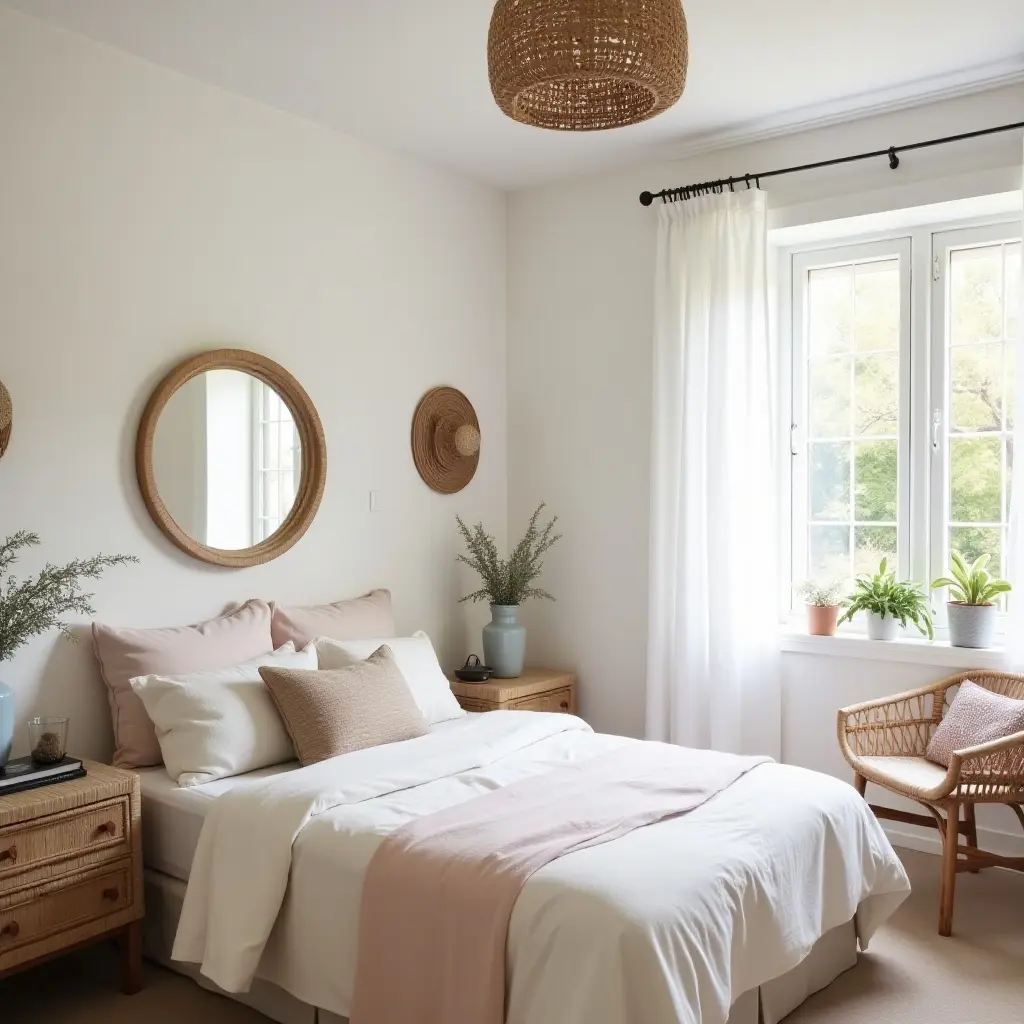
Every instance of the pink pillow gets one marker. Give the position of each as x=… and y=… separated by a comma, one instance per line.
x=122, y=654
x=976, y=716
x=362, y=617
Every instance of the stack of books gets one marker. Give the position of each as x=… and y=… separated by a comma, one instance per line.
x=23, y=773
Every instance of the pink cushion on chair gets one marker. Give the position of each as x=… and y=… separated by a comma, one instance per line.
x=122, y=654
x=357, y=619
x=976, y=716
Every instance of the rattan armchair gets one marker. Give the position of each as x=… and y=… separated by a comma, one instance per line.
x=884, y=741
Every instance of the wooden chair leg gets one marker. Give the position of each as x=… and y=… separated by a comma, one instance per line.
x=950, y=842
x=860, y=783
x=972, y=830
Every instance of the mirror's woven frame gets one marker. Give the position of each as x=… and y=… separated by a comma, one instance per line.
x=314, y=456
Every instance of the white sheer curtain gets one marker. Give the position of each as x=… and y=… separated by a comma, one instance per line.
x=713, y=647
x=1015, y=554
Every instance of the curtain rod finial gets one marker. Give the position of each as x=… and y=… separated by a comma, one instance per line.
x=646, y=198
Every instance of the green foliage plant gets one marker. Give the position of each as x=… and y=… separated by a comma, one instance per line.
x=971, y=584
x=508, y=581
x=37, y=604
x=883, y=594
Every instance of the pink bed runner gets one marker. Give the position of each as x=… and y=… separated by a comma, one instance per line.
x=439, y=892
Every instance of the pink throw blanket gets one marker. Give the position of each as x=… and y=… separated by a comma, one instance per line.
x=439, y=892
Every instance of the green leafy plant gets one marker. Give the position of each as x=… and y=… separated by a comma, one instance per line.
x=883, y=594
x=510, y=580
x=971, y=584
x=37, y=604
x=822, y=595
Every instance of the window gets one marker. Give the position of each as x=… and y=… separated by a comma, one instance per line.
x=902, y=411
x=277, y=461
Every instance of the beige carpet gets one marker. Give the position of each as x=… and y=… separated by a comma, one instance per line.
x=910, y=976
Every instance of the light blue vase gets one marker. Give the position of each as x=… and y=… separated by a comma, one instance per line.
x=6, y=722
x=505, y=642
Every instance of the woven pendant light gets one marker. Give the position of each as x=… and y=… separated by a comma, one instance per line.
x=586, y=65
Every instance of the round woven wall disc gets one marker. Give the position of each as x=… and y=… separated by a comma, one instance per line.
x=6, y=418
x=445, y=440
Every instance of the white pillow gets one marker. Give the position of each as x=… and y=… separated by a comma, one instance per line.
x=211, y=725
x=417, y=662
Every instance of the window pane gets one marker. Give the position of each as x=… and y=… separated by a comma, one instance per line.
x=875, y=497
x=974, y=541
x=877, y=391
x=877, y=305
x=830, y=309
x=829, y=397
x=976, y=387
x=829, y=488
x=271, y=448
x=1010, y=383
x=975, y=479
x=976, y=290
x=828, y=552
x=1013, y=286
x=872, y=544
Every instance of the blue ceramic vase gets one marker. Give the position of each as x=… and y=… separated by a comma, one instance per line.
x=505, y=642
x=6, y=722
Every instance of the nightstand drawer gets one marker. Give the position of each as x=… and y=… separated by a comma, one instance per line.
x=95, y=834
x=554, y=700
x=59, y=908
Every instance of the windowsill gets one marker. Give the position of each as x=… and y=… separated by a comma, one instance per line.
x=904, y=649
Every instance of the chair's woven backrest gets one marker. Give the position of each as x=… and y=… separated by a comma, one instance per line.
x=1006, y=683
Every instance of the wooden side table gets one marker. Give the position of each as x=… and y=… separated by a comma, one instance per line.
x=537, y=689
x=71, y=870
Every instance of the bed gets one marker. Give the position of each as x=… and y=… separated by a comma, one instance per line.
x=743, y=907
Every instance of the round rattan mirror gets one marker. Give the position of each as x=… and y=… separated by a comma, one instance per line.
x=231, y=458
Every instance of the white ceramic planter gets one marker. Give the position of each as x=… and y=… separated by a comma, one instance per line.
x=971, y=625
x=882, y=627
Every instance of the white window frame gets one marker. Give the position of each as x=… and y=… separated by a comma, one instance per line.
x=802, y=263
x=259, y=468
x=923, y=488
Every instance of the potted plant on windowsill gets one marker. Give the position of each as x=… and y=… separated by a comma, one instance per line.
x=823, y=601
x=972, y=611
x=888, y=601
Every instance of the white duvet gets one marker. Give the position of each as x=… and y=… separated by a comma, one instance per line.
x=672, y=922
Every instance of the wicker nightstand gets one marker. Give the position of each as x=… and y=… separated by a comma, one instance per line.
x=71, y=870
x=537, y=689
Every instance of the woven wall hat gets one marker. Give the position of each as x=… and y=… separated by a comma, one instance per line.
x=445, y=439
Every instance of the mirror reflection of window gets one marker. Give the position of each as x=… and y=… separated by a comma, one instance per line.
x=277, y=461
x=229, y=446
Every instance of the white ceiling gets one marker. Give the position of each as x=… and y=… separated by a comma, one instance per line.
x=412, y=74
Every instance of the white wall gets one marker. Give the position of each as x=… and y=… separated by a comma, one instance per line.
x=581, y=273
x=145, y=217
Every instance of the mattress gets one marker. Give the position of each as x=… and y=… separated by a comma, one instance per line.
x=172, y=816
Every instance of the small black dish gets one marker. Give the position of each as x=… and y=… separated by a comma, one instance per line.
x=473, y=671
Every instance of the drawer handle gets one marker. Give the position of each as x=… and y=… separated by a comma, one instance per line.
x=564, y=705
x=111, y=894
x=10, y=854
x=10, y=930
x=107, y=828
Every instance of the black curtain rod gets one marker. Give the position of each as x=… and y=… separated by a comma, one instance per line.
x=685, y=191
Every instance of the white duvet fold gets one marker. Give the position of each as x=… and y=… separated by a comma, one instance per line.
x=242, y=863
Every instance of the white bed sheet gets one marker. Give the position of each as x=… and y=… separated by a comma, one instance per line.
x=173, y=815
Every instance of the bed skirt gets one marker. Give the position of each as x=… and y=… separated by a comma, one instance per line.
x=834, y=953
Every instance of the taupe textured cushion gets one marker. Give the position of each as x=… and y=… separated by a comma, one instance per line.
x=976, y=716
x=336, y=711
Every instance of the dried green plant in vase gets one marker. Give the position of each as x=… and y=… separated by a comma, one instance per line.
x=507, y=583
x=37, y=604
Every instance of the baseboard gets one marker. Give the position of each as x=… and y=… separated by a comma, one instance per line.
x=926, y=840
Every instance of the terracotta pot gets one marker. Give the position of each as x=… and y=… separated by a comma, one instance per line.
x=821, y=619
